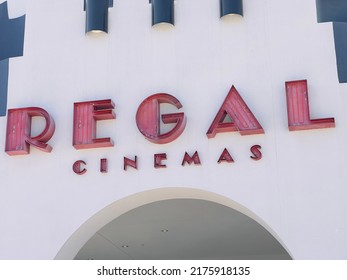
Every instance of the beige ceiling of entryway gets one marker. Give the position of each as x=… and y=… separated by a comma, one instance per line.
x=182, y=229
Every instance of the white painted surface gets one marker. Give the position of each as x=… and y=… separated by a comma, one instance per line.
x=299, y=187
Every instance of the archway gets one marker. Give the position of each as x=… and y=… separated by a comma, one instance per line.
x=174, y=223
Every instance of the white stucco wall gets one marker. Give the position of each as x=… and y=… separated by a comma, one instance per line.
x=299, y=186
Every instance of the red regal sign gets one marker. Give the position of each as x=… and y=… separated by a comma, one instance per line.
x=148, y=116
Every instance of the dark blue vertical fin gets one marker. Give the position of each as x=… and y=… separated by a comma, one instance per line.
x=340, y=36
x=336, y=11
x=3, y=86
x=11, y=45
x=331, y=10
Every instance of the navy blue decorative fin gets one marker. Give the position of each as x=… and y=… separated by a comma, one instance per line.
x=110, y=4
x=3, y=86
x=340, y=36
x=162, y=11
x=231, y=7
x=11, y=34
x=97, y=15
x=11, y=45
x=331, y=10
x=336, y=11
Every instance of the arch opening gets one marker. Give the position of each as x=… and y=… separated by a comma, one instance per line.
x=174, y=223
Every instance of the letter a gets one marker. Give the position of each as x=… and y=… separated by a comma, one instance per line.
x=242, y=119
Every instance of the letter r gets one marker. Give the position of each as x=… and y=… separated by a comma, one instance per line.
x=18, y=134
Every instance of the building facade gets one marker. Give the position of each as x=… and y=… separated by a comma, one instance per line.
x=169, y=140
